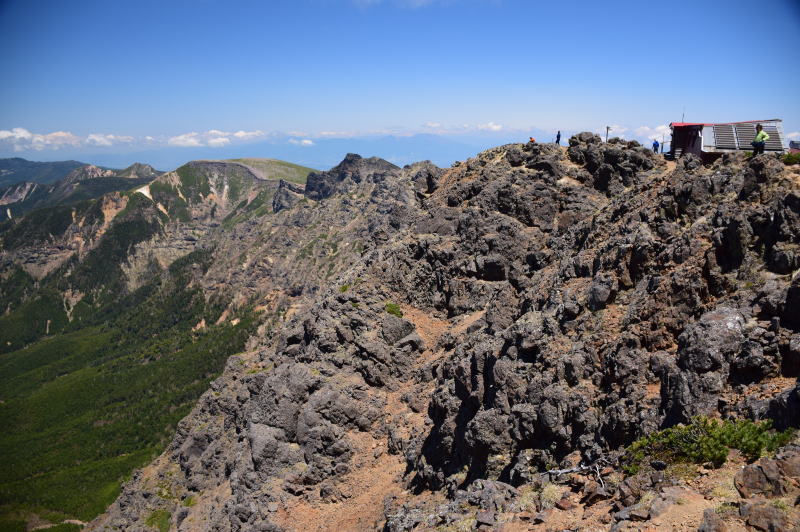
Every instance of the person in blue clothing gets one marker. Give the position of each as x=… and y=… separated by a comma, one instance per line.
x=655, y=146
x=558, y=138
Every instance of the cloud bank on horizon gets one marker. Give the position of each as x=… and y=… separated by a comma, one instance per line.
x=20, y=139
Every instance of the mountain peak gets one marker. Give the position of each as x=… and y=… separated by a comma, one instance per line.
x=352, y=170
x=88, y=171
x=139, y=170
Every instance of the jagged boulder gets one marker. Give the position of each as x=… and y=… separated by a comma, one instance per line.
x=286, y=195
x=425, y=176
x=705, y=351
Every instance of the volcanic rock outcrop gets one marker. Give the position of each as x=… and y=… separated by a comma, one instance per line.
x=526, y=310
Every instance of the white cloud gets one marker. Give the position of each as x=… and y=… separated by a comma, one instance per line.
x=21, y=139
x=491, y=126
x=214, y=138
x=617, y=131
x=336, y=134
x=56, y=139
x=218, y=142
x=794, y=135
x=652, y=133
x=247, y=135
x=98, y=139
x=432, y=125
x=18, y=133
x=301, y=142
x=187, y=140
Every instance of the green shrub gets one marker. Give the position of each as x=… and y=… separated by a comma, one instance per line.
x=726, y=508
x=791, y=158
x=159, y=519
x=706, y=440
x=781, y=505
x=393, y=308
x=344, y=288
x=550, y=494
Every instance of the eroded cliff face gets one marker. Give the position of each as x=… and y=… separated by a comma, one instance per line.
x=528, y=309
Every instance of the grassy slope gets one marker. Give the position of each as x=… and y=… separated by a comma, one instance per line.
x=275, y=169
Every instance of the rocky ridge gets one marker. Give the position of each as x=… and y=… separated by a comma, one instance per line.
x=529, y=310
x=209, y=240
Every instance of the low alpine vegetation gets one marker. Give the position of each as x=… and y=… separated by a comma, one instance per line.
x=394, y=309
x=791, y=158
x=706, y=440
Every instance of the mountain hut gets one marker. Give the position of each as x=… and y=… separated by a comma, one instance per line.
x=710, y=141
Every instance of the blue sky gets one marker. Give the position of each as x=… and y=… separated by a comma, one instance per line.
x=111, y=81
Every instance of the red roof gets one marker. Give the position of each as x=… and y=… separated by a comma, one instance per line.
x=684, y=124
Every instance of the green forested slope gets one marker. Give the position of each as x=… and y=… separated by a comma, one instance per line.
x=90, y=394
x=80, y=410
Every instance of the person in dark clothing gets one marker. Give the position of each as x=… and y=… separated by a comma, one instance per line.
x=655, y=146
x=558, y=138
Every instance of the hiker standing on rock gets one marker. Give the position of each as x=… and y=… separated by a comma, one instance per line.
x=760, y=141
x=531, y=139
x=655, y=146
x=558, y=138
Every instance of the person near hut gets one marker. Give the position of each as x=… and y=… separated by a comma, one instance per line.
x=760, y=141
x=655, y=146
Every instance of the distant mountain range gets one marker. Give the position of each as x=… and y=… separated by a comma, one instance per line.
x=16, y=169
x=90, y=182
x=316, y=152
x=83, y=183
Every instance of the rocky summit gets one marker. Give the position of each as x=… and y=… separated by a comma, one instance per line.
x=533, y=339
